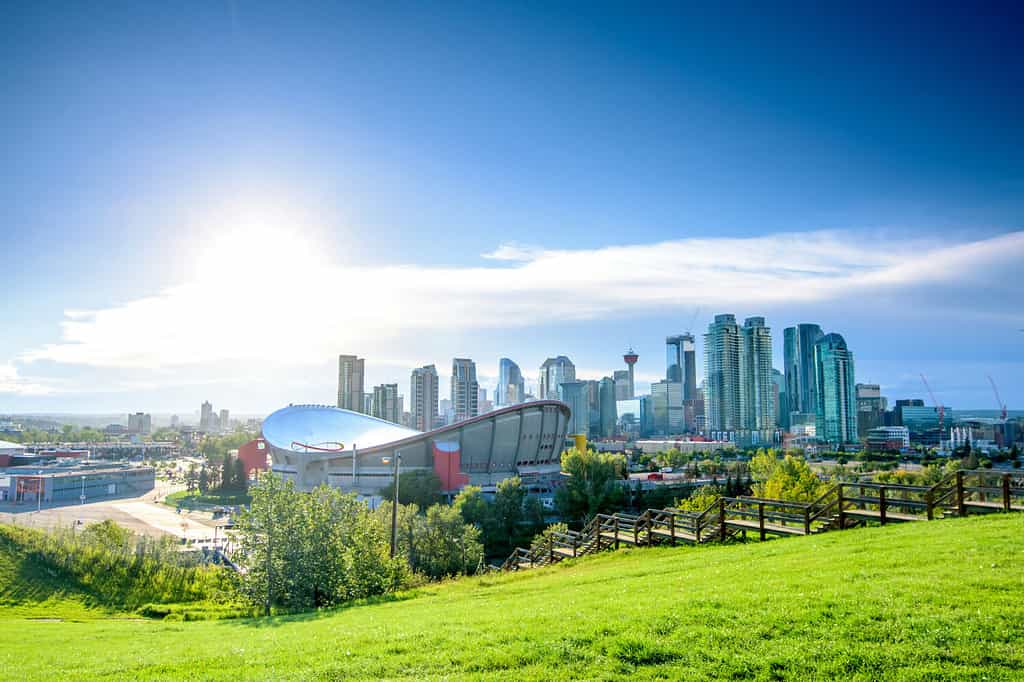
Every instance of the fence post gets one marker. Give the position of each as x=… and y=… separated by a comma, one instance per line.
x=597, y=532
x=842, y=511
x=961, y=508
x=760, y=520
x=672, y=528
x=807, y=520
x=615, y=525
x=721, y=518
x=1006, y=492
x=551, y=549
x=636, y=532
x=575, y=543
x=929, y=504
x=881, y=504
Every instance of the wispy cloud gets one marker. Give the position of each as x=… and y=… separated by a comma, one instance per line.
x=291, y=311
x=12, y=382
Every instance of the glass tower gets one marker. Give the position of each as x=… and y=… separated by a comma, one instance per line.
x=836, y=413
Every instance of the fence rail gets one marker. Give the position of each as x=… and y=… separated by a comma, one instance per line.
x=844, y=505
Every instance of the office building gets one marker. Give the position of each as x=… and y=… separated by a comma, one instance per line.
x=836, y=414
x=423, y=396
x=465, y=391
x=511, y=388
x=798, y=358
x=882, y=438
x=923, y=422
x=225, y=420
x=387, y=403
x=350, y=384
x=140, y=423
x=757, y=394
x=871, y=406
x=553, y=373
x=722, y=375
x=622, y=384
x=779, y=393
x=207, y=419
x=575, y=394
x=667, y=413
x=609, y=416
x=681, y=363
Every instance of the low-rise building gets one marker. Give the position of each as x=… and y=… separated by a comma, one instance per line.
x=58, y=484
x=888, y=438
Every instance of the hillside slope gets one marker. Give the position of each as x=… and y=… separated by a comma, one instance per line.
x=939, y=600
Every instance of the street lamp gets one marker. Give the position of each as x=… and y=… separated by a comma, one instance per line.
x=82, y=497
x=397, y=459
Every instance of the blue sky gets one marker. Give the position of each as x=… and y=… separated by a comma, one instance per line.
x=212, y=200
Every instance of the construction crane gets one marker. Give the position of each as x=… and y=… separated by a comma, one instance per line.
x=938, y=408
x=999, y=401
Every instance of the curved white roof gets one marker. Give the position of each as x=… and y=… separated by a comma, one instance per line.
x=323, y=426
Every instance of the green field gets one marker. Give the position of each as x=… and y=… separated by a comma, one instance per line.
x=925, y=601
x=214, y=498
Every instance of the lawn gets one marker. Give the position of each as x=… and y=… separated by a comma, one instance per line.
x=925, y=601
x=214, y=498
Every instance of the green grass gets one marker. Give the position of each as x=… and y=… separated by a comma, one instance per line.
x=926, y=601
x=213, y=498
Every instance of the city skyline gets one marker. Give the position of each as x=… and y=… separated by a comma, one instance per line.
x=211, y=173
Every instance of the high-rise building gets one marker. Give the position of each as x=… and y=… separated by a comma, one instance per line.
x=574, y=394
x=834, y=387
x=445, y=413
x=798, y=358
x=225, y=420
x=140, y=423
x=350, y=383
x=553, y=373
x=387, y=403
x=594, y=404
x=621, y=379
x=722, y=374
x=681, y=363
x=668, y=416
x=779, y=393
x=511, y=389
x=465, y=390
x=609, y=416
x=630, y=357
x=871, y=406
x=367, y=403
x=757, y=395
x=423, y=395
x=206, y=417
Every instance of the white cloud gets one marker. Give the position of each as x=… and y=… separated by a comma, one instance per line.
x=11, y=382
x=275, y=305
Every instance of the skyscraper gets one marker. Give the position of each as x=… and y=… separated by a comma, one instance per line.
x=622, y=384
x=757, y=393
x=350, y=383
x=206, y=416
x=834, y=386
x=386, y=403
x=798, y=358
x=511, y=390
x=465, y=389
x=608, y=409
x=553, y=372
x=667, y=413
x=871, y=406
x=423, y=394
x=225, y=420
x=681, y=363
x=722, y=374
x=574, y=394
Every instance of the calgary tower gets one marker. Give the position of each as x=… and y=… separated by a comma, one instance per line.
x=630, y=357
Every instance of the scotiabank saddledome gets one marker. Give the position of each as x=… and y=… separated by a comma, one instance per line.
x=315, y=444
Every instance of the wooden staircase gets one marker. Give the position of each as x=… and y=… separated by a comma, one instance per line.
x=844, y=505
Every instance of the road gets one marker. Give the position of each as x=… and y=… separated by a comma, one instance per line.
x=141, y=515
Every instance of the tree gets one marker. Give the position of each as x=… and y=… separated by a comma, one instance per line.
x=787, y=479
x=227, y=476
x=507, y=513
x=701, y=499
x=593, y=484
x=240, y=479
x=419, y=487
x=446, y=545
x=303, y=550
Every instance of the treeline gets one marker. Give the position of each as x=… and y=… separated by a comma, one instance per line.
x=120, y=569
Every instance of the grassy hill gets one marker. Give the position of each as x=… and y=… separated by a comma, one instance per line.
x=926, y=601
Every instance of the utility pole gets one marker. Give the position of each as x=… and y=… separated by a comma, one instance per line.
x=270, y=514
x=394, y=505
